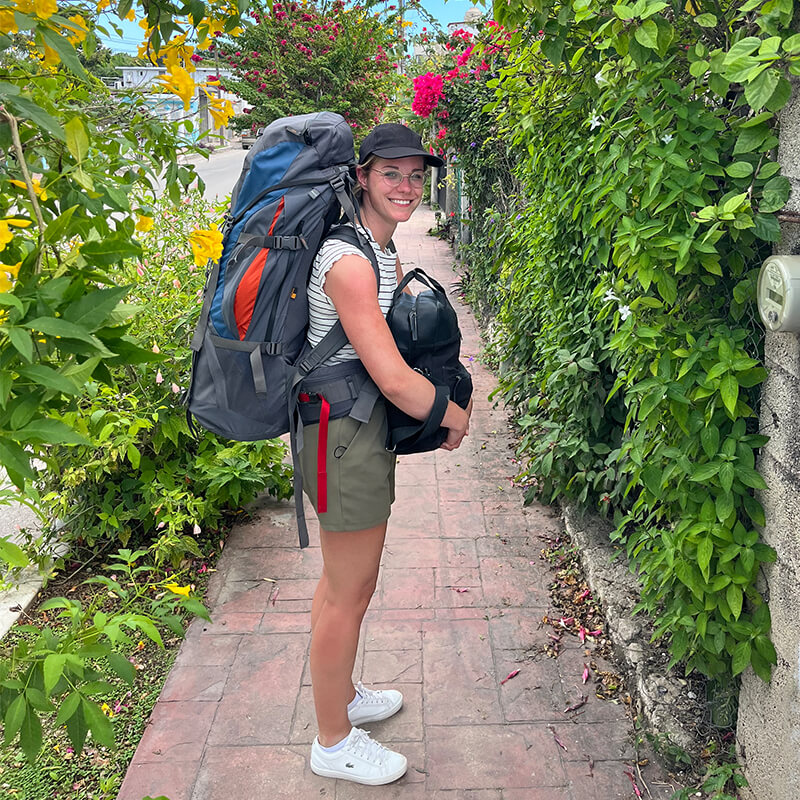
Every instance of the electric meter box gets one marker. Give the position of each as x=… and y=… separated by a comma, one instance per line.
x=779, y=293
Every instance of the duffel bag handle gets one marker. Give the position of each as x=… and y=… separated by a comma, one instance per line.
x=422, y=277
x=413, y=433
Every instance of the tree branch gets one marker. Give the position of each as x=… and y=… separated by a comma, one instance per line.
x=26, y=176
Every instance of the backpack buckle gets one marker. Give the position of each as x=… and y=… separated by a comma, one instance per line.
x=272, y=348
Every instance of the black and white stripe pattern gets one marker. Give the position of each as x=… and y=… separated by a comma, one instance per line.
x=322, y=314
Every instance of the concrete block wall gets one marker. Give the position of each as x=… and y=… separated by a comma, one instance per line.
x=768, y=735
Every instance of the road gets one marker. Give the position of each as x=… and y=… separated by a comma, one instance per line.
x=221, y=171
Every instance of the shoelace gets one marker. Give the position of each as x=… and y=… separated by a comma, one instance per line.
x=364, y=746
x=368, y=695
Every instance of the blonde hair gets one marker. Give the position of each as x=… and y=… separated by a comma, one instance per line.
x=366, y=166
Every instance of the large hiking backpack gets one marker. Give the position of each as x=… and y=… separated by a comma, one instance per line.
x=248, y=348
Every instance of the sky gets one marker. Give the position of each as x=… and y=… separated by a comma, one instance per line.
x=445, y=11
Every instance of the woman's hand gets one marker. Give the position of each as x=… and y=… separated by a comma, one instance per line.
x=457, y=425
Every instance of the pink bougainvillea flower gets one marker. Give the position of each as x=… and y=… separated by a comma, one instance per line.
x=464, y=57
x=428, y=90
x=585, y=673
x=441, y=133
x=582, y=633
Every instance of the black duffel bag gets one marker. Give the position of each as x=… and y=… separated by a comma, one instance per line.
x=425, y=328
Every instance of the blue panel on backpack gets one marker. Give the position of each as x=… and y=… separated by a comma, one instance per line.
x=267, y=168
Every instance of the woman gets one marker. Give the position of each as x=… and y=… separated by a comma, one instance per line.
x=360, y=478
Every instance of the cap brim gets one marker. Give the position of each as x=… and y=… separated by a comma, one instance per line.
x=406, y=152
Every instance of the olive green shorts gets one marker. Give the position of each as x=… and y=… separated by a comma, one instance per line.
x=360, y=472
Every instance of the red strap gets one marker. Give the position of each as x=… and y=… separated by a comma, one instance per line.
x=322, y=455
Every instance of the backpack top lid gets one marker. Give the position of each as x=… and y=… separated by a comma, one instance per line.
x=326, y=134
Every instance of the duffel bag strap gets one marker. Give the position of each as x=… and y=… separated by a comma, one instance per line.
x=408, y=433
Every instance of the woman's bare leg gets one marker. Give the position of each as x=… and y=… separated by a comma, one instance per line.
x=352, y=560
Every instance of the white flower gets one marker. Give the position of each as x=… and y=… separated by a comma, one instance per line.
x=159, y=377
x=600, y=79
x=595, y=121
x=667, y=138
x=624, y=312
x=196, y=530
x=175, y=388
x=609, y=295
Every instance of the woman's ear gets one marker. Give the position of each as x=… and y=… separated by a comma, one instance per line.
x=361, y=175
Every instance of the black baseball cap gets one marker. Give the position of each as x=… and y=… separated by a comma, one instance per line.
x=393, y=140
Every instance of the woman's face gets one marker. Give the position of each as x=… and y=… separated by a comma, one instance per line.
x=395, y=203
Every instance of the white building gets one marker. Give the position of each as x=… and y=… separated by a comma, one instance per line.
x=170, y=107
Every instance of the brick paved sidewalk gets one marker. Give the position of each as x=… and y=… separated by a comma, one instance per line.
x=236, y=717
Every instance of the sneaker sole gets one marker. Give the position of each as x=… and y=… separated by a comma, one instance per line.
x=358, y=721
x=346, y=776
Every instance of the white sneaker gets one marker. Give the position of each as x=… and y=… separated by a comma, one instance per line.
x=361, y=760
x=374, y=705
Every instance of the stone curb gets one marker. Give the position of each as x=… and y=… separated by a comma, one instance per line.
x=618, y=591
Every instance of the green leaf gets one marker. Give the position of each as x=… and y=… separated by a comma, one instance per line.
x=122, y=666
x=774, y=194
x=49, y=378
x=53, y=670
x=766, y=649
x=705, y=549
x=706, y=20
x=647, y=34
x=724, y=505
x=761, y=89
x=16, y=461
x=50, y=431
x=99, y=724
x=651, y=478
x=703, y=472
x=64, y=49
x=12, y=554
x=741, y=658
x=781, y=95
x=733, y=594
x=749, y=477
x=77, y=729
x=30, y=735
x=729, y=391
x=27, y=109
x=77, y=139
x=709, y=439
x=68, y=708
x=726, y=473
x=21, y=341
x=54, y=326
x=94, y=308
x=111, y=250
x=739, y=169
x=751, y=138
x=15, y=716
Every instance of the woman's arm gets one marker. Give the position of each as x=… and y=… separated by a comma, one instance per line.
x=351, y=285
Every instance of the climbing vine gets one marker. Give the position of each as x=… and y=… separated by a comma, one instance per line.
x=643, y=139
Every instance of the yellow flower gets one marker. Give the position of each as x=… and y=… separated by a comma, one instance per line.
x=221, y=111
x=144, y=223
x=79, y=28
x=180, y=82
x=44, y=9
x=206, y=244
x=131, y=16
x=38, y=190
x=6, y=234
x=8, y=23
x=103, y=4
x=175, y=589
x=106, y=709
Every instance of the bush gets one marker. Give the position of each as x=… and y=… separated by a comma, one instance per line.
x=144, y=476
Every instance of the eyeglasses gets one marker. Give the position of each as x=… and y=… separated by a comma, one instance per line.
x=393, y=177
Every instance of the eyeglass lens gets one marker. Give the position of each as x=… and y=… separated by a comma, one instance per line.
x=395, y=178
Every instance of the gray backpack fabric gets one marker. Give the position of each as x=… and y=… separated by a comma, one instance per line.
x=249, y=356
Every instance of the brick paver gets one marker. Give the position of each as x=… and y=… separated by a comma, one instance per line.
x=236, y=717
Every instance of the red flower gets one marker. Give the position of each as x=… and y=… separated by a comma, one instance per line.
x=442, y=133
